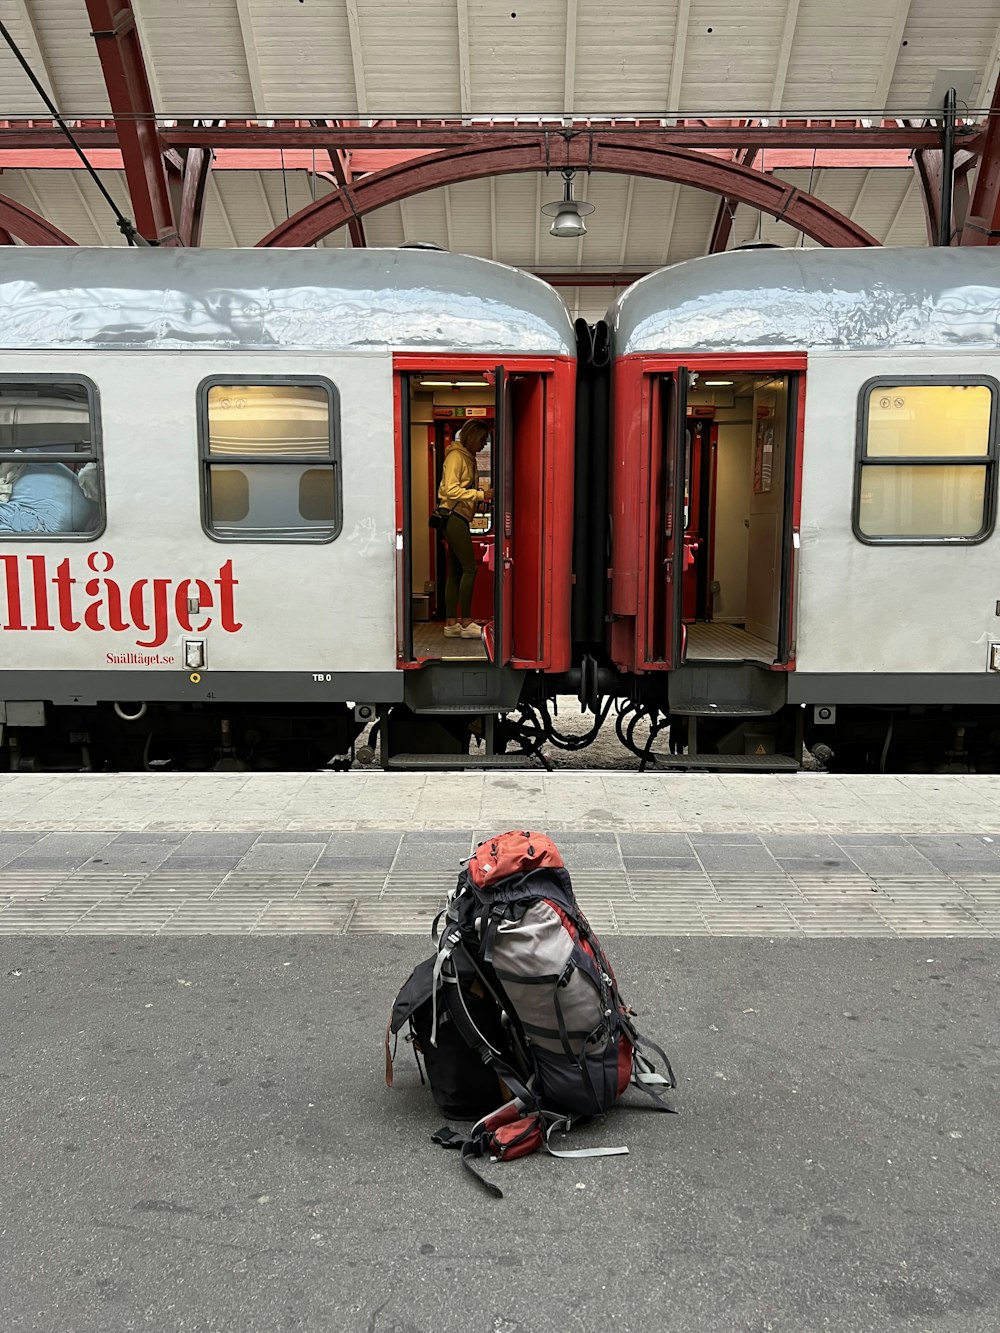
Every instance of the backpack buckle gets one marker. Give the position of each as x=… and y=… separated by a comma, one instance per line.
x=447, y=1138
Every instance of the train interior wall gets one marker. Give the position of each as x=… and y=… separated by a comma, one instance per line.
x=734, y=465
x=437, y=411
x=735, y=521
x=515, y=516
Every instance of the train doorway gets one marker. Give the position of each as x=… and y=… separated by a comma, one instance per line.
x=508, y=529
x=727, y=482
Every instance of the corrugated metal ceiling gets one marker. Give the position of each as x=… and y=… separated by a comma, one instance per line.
x=350, y=58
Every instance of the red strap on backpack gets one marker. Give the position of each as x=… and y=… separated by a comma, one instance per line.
x=518, y=1139
x=510, y=1131
x=513, y=853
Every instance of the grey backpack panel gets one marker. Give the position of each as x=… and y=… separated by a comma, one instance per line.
x=530, y=957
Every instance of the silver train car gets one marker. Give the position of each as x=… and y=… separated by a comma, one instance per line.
x=754, y=511
x=216, y=471
x=805, y=457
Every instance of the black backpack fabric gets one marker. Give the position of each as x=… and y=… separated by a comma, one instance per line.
x=521, y=984
x=463, y=1087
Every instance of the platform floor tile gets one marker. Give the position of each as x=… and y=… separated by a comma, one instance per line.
x=406, y=902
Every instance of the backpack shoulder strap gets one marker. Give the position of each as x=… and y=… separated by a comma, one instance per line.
x=457, y=1008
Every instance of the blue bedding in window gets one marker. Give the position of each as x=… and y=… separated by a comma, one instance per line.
x=46, y=498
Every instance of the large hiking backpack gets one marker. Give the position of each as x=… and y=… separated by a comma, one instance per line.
x=521, y=991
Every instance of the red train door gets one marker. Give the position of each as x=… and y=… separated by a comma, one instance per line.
x=667, y=482
x=522, y=538
x=699, y=508
x=503, y=523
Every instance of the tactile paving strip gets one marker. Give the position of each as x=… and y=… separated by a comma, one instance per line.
x=648, y=902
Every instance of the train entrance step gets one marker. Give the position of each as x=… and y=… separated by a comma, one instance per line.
x=461, y=761
x=702, y=708
x=732, y=763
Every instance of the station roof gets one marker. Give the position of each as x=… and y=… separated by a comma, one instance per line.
x=551, y=63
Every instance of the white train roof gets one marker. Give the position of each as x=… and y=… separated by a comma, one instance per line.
x=763, y=300
x=271, y=300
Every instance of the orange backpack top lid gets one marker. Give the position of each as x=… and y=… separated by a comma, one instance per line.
x=515, y=853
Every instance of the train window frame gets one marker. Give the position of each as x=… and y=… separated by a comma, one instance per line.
x=95, y=454
x=206, y=460
x=987, y=460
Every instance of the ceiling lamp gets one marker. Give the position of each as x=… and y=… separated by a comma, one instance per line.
x=567, y=213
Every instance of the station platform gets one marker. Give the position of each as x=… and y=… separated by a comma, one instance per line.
x=355, y=853
x=197, y=1131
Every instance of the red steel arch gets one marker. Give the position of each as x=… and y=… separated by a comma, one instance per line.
x=588, y=152
x=28, y=226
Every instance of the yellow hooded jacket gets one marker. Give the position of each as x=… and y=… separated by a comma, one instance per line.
x=459, y=489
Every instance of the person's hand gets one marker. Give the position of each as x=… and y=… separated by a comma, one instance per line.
x=487, y=492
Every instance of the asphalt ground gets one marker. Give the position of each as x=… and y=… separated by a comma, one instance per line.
x=195, y=1135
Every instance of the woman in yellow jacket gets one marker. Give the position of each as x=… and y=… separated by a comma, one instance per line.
x=460, y=492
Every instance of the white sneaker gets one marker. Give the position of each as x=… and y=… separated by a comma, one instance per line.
x=472, y=631
x=453, y=631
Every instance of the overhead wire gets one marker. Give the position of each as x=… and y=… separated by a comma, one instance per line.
x=812, y=171
x=125, y=225
x=284, y=182
x=760, y=213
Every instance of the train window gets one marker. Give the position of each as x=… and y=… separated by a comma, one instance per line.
x=50, y=467
x=270, y=454
x=926, y=460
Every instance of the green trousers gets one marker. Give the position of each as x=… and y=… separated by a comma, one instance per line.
x=461, y=569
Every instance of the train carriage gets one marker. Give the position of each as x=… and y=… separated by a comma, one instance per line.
x=803, y=502
x=216, y=470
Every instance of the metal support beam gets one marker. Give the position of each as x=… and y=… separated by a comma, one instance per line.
x=114, y=31
x=592, y=277
x=29, y=226
x=610, y=153
x=724, y=135
x=947, y=168
x=982, y=223
x=961, y=194
x=194, y=186
x=724, y=218
x=365, y=160
x=340, y=165
x=927, y=166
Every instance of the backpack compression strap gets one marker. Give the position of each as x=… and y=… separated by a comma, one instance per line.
x=646, y=1079
x=565, y=1123
x=487, y=1134
x=529, y=1133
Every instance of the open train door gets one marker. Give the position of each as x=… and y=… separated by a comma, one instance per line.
x=500, y=642
x=667, y=482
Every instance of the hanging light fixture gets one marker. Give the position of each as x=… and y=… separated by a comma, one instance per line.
x=567, y=213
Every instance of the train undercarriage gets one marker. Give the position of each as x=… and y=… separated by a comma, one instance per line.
x=587, y=718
